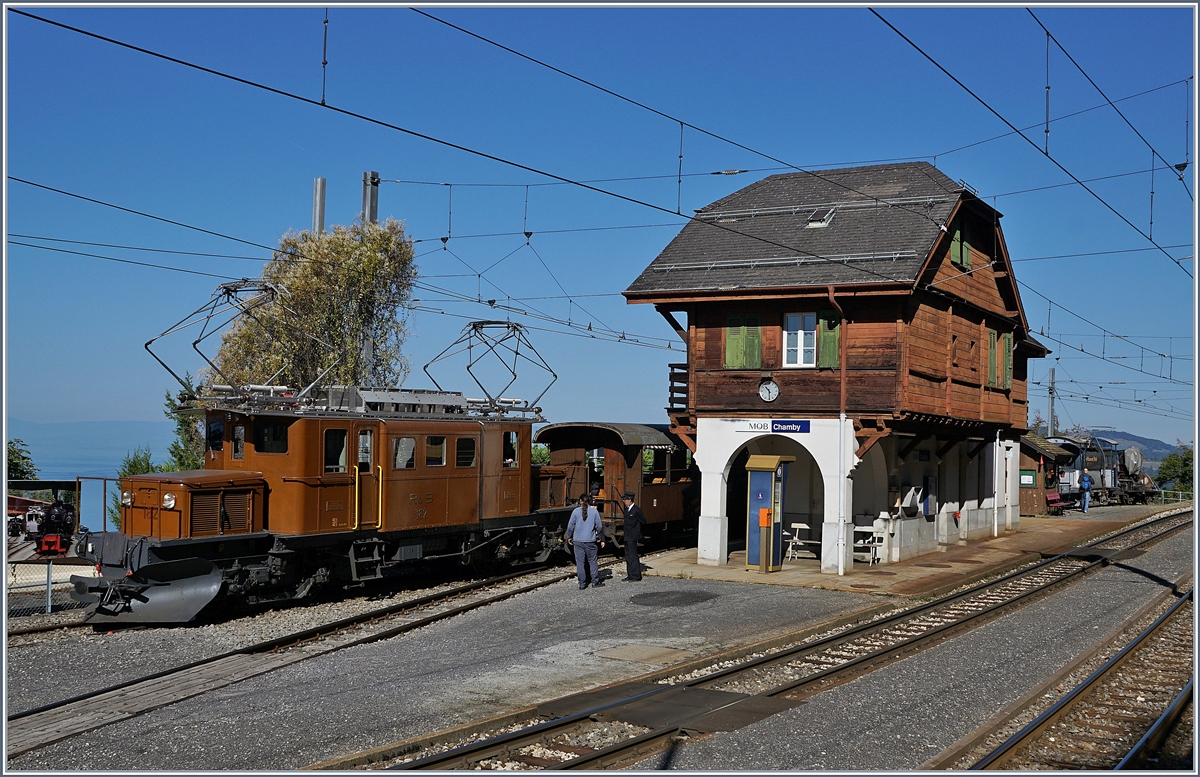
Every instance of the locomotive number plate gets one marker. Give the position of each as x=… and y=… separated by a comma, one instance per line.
x=334, y=505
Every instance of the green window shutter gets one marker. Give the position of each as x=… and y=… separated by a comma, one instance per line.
x=753, y=343
x=828, y=354
x=1008, y=360
x=956, y=245
x=991, y=358
x=735, y=342
x=966, y=248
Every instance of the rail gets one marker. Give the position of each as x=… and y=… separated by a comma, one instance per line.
x=1002, y=757
x=828, y=661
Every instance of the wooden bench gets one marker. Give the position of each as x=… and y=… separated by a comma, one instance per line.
x=1054, y=503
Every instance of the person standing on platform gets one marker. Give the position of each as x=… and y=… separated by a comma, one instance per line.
x=635, y=519
x=1085, y=486
x=583, y=534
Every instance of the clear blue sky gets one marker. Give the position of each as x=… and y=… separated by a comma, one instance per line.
x=814, y=87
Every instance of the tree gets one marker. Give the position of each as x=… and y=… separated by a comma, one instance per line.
x=187, y=449
x=1176, y=470
x=1038, y=425
x=339, y=291
x=20, y=462
x=135, y=463
x=539, y=455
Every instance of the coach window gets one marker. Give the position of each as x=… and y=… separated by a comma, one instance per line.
x=510, y=449
x=216, y=435
x=435, y=451
x=464, y=452
x=270, y=436
x=335, y=450
x=238, y=447
x=404, y=453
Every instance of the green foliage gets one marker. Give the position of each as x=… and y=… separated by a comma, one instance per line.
x=539, y=455
x=341, y=288
x=20, y=462
x=137, y=462
x=1176, y=473
x=186, y=451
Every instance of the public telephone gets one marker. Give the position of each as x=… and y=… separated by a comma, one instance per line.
x=764, y=522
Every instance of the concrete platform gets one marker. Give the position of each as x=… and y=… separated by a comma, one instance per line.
x=951, y=566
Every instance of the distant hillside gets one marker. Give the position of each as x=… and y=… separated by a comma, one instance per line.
x=1152, y=450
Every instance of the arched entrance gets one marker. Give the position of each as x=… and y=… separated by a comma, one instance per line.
x=804, y=490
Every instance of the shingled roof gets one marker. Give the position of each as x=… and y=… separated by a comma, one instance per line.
x=854, y=225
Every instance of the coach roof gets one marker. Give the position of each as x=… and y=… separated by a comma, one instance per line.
x=856, y=225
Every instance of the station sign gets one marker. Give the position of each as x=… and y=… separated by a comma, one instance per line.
x=773, y=426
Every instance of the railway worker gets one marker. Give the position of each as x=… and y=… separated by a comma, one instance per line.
x=635, y=519
x=1085, y=487
x=584, y=534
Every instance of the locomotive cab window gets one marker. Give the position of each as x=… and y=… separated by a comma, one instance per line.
x=365, y=439
x=435, y=451
x=404, y=451
x=510, y=449
x=216, y=435
x=335, y=450
x=270, y=436
x=238, y=445
x=464, y=452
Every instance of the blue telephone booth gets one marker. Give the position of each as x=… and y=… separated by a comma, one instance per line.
x=764, y=519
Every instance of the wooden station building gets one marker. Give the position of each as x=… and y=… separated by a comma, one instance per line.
x=866, y=321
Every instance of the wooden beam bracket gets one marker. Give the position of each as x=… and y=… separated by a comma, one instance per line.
x=907, y=449
x=872, y=438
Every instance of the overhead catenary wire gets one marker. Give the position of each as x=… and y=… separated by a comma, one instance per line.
x=140, y=248
x=446, y=143
x=1052, y=121
x=1153, y=150
x=1053, y=161
x=1083, y=399
x=286, y=255
x=673, y=119
x=1105, y=331
x=301, y=98
x=126, y=261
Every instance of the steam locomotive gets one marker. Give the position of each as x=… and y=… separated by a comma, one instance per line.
x=351, y=484
x=1117, y=475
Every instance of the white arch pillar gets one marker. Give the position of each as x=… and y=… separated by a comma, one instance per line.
x=831, y=443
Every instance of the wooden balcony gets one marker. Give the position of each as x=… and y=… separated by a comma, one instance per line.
x=683, y=423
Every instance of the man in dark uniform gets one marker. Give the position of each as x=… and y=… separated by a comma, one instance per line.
x=635, y=519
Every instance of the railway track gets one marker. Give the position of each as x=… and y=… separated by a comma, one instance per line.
x=18, y=547
x=621, y=725
x=45, y=725
x=1118, y=717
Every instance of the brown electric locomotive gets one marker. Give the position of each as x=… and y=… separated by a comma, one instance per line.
x=353, y=484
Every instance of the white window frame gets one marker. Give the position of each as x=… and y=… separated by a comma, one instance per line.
x=794, y=352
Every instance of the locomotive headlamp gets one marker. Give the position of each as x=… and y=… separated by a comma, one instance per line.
x=169, y=501
x=127, y=498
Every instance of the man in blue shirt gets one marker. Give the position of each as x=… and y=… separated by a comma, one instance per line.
x=1085, y=486
x=584, y=533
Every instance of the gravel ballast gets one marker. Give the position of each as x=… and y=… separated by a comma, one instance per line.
x=902, y=715
x=534, y=647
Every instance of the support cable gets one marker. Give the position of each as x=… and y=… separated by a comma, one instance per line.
x=324, y=55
